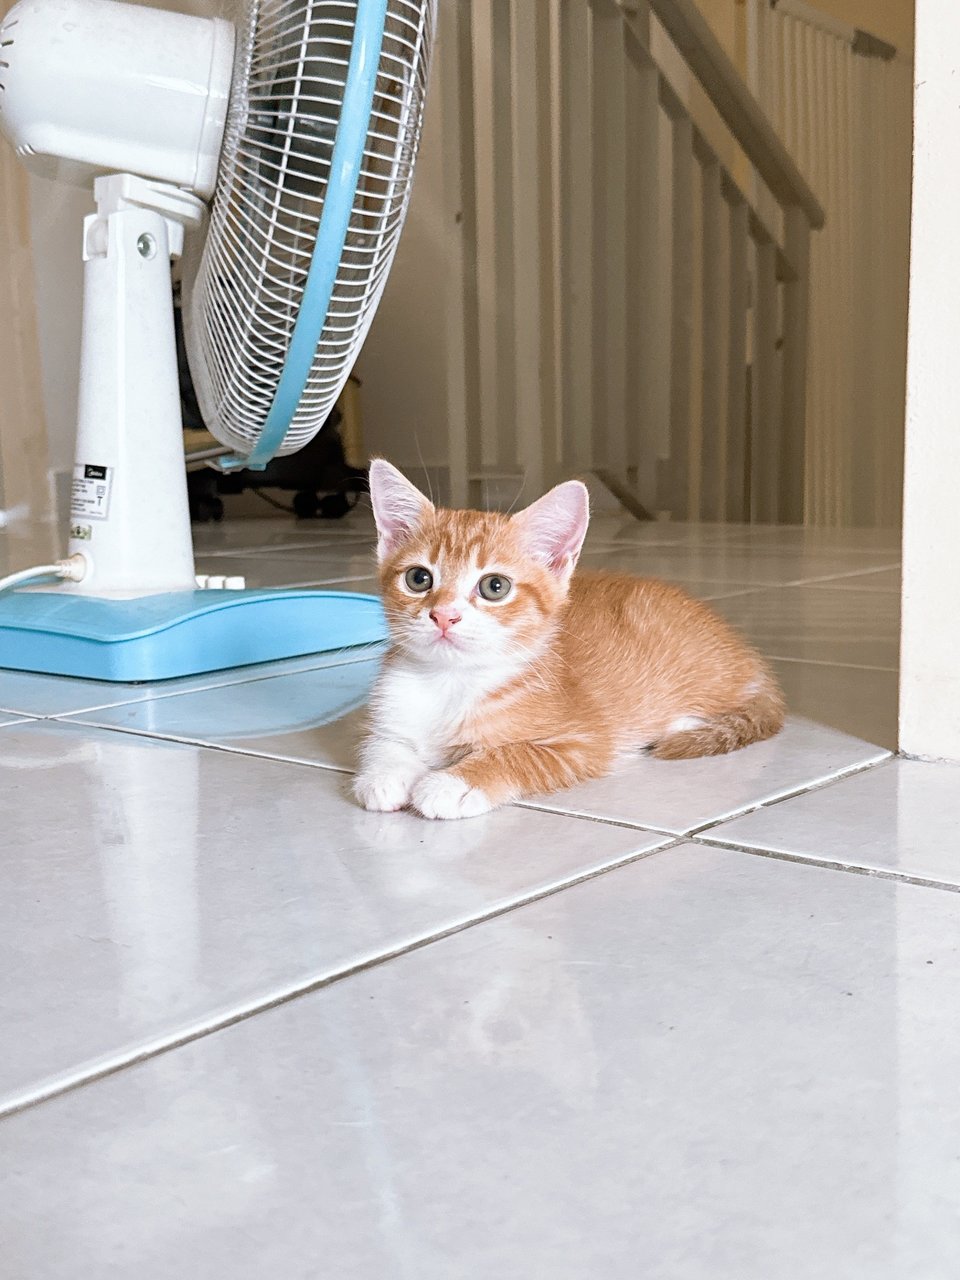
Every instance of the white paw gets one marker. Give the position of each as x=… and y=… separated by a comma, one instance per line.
x=444, y=795
x=384, y=792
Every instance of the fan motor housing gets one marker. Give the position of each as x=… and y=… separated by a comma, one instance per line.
x=99, y=86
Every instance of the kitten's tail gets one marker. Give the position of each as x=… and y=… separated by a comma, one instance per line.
x=760, y=717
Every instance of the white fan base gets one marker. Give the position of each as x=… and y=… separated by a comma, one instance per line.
x=130, y=517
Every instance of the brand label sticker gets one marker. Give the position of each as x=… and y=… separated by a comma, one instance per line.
x=90, y=498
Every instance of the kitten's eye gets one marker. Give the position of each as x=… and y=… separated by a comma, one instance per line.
x=494, y=586
x=418, y=578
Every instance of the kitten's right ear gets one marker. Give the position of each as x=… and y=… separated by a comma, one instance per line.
x=398, y=506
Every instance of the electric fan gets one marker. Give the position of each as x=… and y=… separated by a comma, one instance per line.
x=299, y=125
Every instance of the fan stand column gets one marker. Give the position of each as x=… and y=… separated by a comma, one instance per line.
x=130, y=517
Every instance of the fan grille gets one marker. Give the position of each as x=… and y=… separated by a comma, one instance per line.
x=242, y=297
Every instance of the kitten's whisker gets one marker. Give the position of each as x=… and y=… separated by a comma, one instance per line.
x=426, y=473
x=523, y=482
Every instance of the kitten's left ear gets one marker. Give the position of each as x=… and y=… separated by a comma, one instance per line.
x=553, y=528
x=398, y=505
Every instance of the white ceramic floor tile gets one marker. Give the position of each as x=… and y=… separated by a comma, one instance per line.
x=855, y=700
x=705, y=1066
x=148, y=889
x=291, y=544
x=887, y=541
x=616, y=529
x=859, y=628
x=313, y=716
x=903, y=816
x=702, y=588
x=296, y=567
x=874, y=580
x=316, y=716
x=681, y=795
x=716, y=562
x=279, y=531
x=40, y=695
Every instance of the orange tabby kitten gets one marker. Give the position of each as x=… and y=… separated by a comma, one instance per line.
x=509, y=676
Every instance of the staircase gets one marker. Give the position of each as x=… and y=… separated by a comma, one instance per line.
x=842, y=101
x=629, y=288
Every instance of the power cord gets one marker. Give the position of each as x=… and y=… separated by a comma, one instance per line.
x=73, y=568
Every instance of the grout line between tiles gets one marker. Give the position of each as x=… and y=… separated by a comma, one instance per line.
x=849, y=584
x=345, y=771
x=199, y=1031
x=731, y=595
x=601, y=543
x=824, y=662
x=623, y=823
x=820, y=579
x=739, y=542
x=817, y=784
x=362, y=653
x=281, y=549
x=327, y=582
x=827, y=864
x=154, y=735
x=891, y=559
x=593, y=817
x=697, y=829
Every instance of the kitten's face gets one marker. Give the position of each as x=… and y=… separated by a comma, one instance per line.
x=468, y=588
x=460, y=588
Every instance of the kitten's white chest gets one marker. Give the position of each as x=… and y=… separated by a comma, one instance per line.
x=424, y=709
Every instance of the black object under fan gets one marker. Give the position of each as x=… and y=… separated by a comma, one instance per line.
x=323, y=484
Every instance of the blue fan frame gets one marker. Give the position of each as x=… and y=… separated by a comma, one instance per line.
x=338, y=202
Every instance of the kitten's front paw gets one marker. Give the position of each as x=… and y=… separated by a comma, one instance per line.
x=444, y=795
x=384, y=792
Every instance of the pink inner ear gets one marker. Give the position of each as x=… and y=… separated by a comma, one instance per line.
x=554, y=527
x=398, y=506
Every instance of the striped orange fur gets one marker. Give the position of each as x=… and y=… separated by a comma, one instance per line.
x=484, y=701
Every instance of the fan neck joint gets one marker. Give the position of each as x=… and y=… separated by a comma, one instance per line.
x=119, y=192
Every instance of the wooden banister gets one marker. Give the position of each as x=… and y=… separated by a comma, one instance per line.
x=736, y=105
x=656, y=326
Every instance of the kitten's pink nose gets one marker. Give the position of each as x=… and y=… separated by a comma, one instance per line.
x=445, y=619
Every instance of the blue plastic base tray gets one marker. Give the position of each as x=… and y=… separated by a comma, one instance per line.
x=160, y=637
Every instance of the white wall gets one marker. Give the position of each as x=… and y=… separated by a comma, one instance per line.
x=930, y=650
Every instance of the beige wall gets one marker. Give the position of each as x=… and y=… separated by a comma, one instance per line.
x=891, y=20
x=25, y=495
x=722, y=16
x=403, y=362
x=56, y=231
